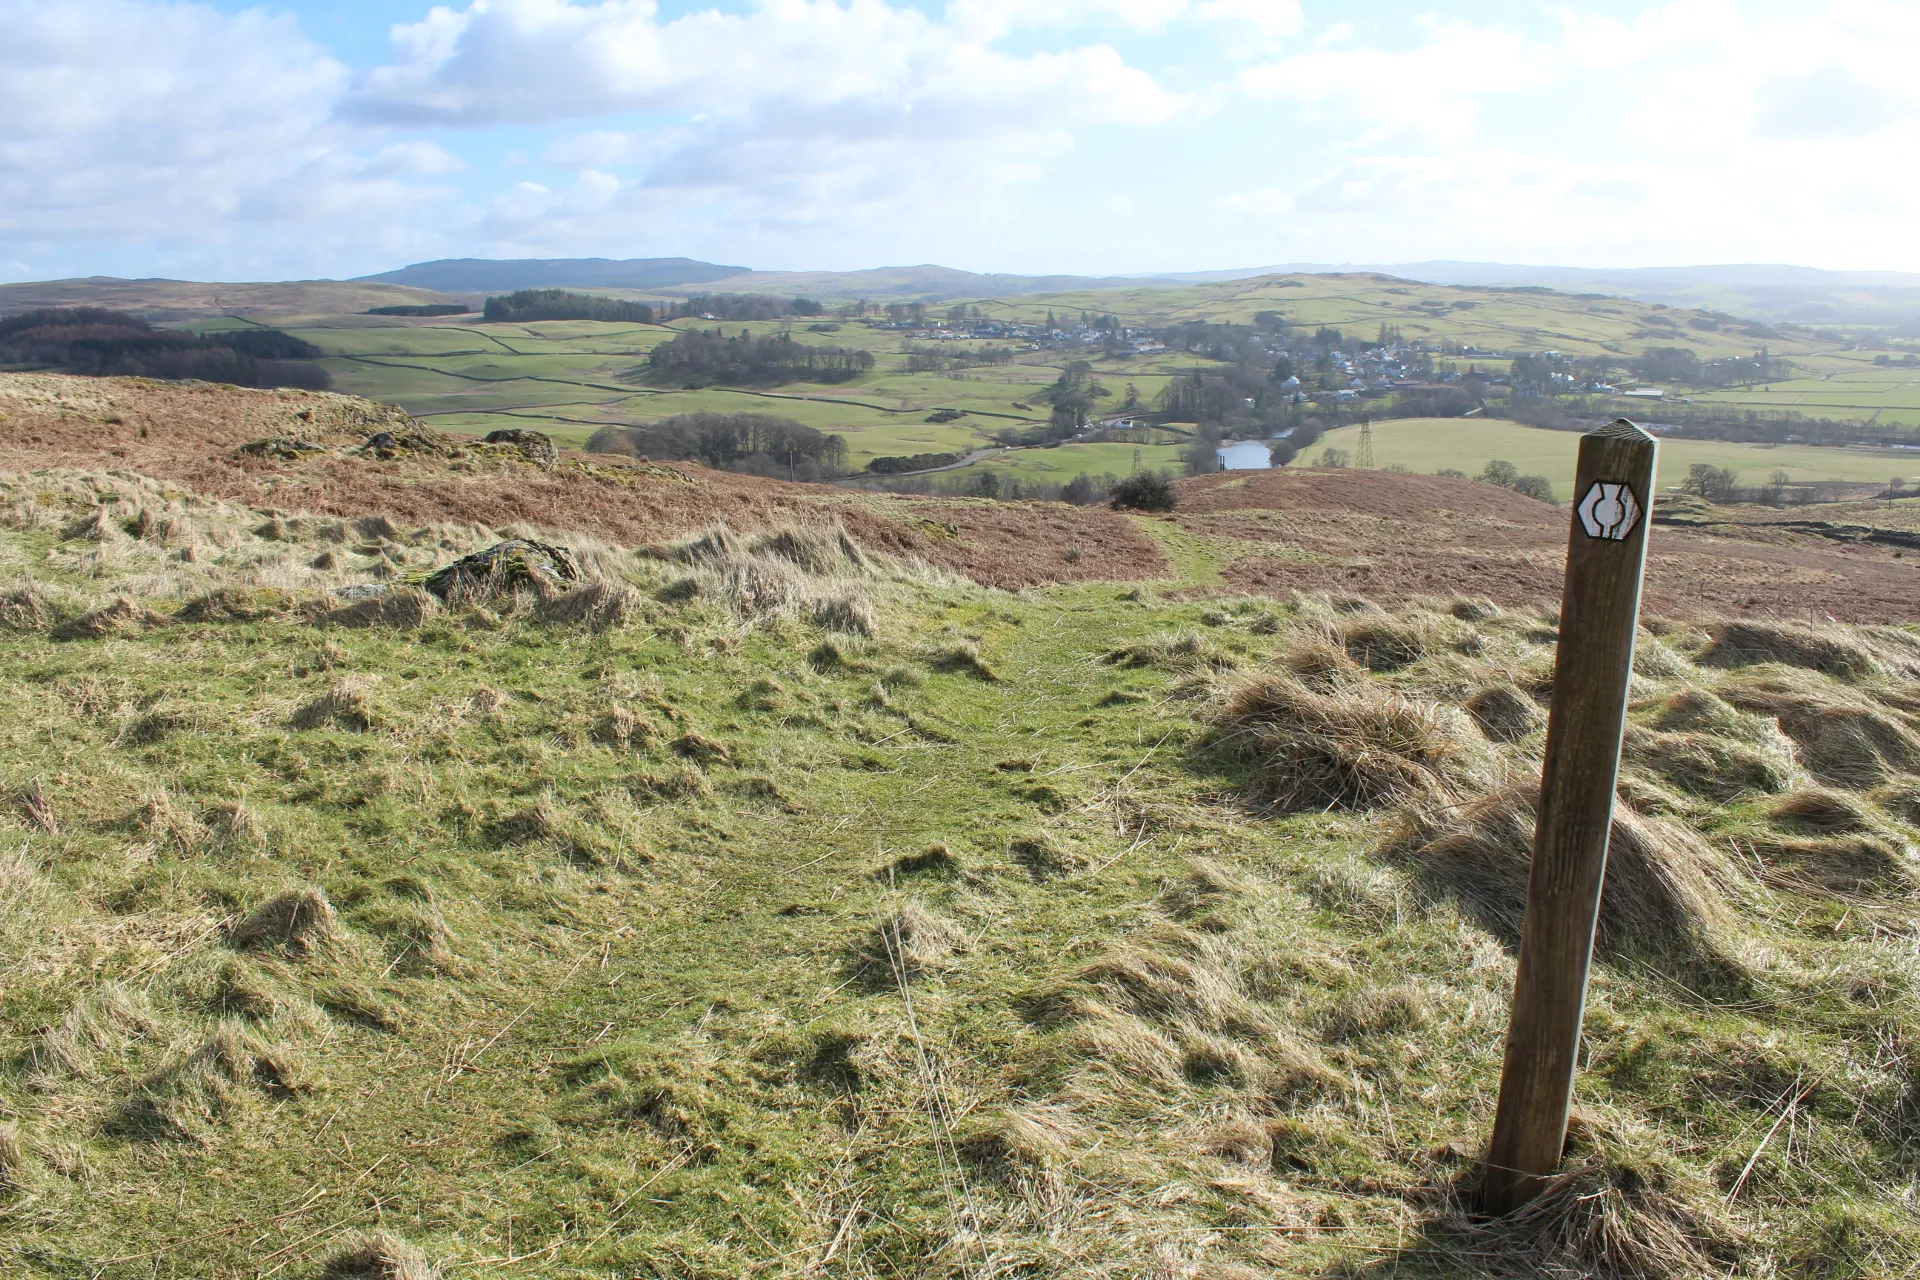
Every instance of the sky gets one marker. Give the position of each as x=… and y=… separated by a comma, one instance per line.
x=335, y=138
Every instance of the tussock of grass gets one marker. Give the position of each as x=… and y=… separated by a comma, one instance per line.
x=35, y=806
x=194, y=1097
x=1620, y=1210
x=1843, y=738
x=910, y=941
x=1705, y=764
x=1504, y=713
x=379, y=1255
x=1026, y=1151
x=962, y=659
x=847, y=611
x=300, y=922
x=1043, y=857
x=121, y=618
x=27, y=607
x=100, y=1025
x=597, y=606
x=1387, y=643
x=1358, y=748
x=1175, y=651
x=1833, y=651
x=1661, y=894
x=345, y=706
x=237, y=604
x=401, y=608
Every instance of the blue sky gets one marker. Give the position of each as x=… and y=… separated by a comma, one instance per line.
x=221, y=140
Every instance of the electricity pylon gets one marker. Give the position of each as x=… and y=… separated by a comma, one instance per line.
x=1364, y=455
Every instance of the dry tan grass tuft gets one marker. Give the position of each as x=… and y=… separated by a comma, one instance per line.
x=598, y=606
x=299, y=922
x=1834, y=651
x=191, y=1099
x=379, y=1255
x=1174, y=651
x=403, y=608
x=345, y=706
x=1025, y=1151
x=101, y=1024
x=1473, y=610
x=1504, y=713
x=847, y=611
x=1044, y=857
x=963, y=659
x=1706, y=764
x=1354, y=748
x=1662, y=882
x=237, y=604
x=15, y=1172
x=910, y=941
x=35, y=806
x=1614, y=1212
x=1819, y=809
x=26, y=607
x=121, y=618
x=488, y=703
x=1382, y=642
x=1844, y=739
x=170, y=822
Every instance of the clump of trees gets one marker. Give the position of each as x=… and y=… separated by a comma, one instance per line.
x=101, y=343
x=527, y=305
x=742, y=306
x=703, y=357
x=936, y=360
x=560, y=304
x=1507, y=476
x=893, y=466
x=753, y=443
x=1145, y=491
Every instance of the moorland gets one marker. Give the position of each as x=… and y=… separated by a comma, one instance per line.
x=430, y=857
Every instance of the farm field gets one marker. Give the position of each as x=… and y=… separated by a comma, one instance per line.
x=1468, y=444
x=566, y=378
x=1853, y=387
x=1056, y=466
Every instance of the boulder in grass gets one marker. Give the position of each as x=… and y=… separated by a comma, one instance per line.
x=535, y=446
x=503, y=568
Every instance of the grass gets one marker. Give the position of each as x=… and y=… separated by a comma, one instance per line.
x=494, y=938
x=1467, y=444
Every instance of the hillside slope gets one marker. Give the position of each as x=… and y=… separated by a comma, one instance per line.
x=769, y=902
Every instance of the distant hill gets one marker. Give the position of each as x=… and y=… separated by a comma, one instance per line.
x=171, y=301
x=505, y=275
x=1761, y=291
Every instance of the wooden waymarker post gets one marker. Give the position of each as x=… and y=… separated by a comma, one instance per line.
x=1606, y=557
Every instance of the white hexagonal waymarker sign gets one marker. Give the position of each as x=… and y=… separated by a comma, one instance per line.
x=1609, y=511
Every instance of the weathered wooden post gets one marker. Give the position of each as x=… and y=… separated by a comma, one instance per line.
x=1599, y=609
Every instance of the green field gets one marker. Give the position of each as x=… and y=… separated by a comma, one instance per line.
x=570, y=378
x=1467, y=444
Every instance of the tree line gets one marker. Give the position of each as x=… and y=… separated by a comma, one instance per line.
x=753, y=443
x=526, y=305
x=98, y=342
x=704, y=357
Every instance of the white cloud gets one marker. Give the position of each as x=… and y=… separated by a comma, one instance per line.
x=1672, y=135
x=173, y=126
x=795, y=112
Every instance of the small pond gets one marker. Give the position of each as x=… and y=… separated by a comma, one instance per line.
x=1245, y=455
